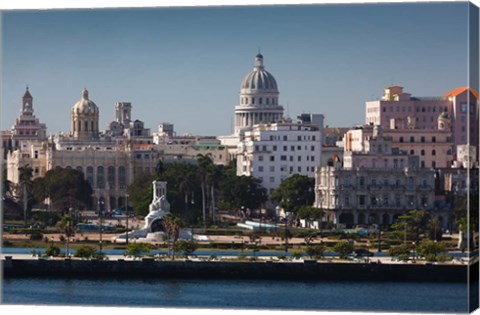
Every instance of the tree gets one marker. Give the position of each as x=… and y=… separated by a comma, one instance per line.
x=294, y=192
x=66, y=188
x=414, y=221
x=432, y=251
x=85, y=251
x=400, y=252
x=205, y=174
x=240, y=191
x=343, y=249
x=25, y=188
x=186, y=248
x=141, y=193
x=137, y=250
x=310, y=213
x=66, y=226
x=172, y=226
x=315, y=251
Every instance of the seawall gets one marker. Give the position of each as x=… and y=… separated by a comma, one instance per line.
x=308, y=270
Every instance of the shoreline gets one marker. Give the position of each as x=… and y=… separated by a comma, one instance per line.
x=147, y=268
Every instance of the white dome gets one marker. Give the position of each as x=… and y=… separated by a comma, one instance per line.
x=259, y=78
x=84, y=105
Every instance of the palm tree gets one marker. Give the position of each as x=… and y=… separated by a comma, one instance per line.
x=66, y=226
x=205, y=169
x=172, y=226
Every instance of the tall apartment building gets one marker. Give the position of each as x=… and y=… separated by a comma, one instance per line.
x=273, y=152
x=400, y=110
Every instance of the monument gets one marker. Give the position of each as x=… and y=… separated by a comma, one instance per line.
x=154, y=230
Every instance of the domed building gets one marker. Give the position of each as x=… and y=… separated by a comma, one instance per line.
x=84, y=118
x=258, y=98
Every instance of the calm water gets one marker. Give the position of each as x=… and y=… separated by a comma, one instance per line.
x=243, y=294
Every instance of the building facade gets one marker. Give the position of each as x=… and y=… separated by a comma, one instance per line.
x=109, y=160
x=273, y=152
x=399, y=110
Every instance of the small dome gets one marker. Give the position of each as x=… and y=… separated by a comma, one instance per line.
x=84, y=105
x=259, y=78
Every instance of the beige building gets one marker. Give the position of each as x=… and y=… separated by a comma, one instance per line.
x=109, y=160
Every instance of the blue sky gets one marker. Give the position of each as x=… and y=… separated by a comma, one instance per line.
x=185, y=65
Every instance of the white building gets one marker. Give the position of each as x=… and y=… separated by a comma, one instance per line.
x=273, y=152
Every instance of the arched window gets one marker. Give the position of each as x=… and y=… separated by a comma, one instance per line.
x=100, y=177
x=111, y=177
x=90, y=176
x=122, y=179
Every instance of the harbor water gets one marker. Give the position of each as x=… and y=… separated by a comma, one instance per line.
x=240, y=294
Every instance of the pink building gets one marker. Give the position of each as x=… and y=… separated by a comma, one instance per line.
x=399, y=110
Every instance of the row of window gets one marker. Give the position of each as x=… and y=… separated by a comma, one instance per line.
x=422, y=139
x=284, y=148
x=284, y=158
x=290, y=169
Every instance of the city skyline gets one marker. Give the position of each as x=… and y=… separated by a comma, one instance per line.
x=326, y=58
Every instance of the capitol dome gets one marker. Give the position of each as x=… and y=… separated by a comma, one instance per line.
x=259, y=78
x=258, y=99
x=84, y=105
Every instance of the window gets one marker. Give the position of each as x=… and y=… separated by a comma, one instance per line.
x=253, y=100
x=299, y=158
x=299, y=169
x=422, y=139
x=361, y=200
x=260, y=168
x=272, y=158
x=292, y=148
x=260, y=158
x=434, y=139
x=291, y=158
x=312, y=158
x=274, y=148
x=299, y=138
x=347, y=201
x=260, y=100
x=272, y=169
x=412, y=139
x=285, y=148
x=361, y=181
x=283, y=157
x=434, y=152
x=299, y=148
x=285, y=138
x=422, y=152
x=463, y=108
x=312, y=148
x=401, y=139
